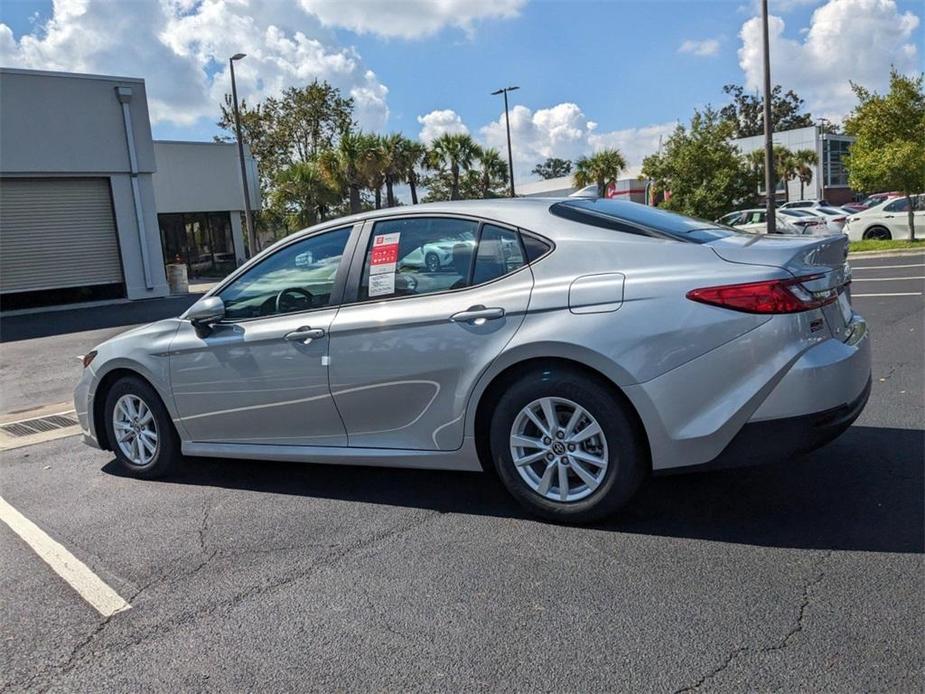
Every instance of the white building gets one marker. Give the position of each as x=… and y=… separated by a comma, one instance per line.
x=830, y=179
x=630, y=186
x=81, y=196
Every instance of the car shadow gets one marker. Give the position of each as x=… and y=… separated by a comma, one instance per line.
x=861, y=492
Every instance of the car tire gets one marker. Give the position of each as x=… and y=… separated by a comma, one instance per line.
x=878, y=234
x=432, y=262
x=145, y=446
x=597, y=491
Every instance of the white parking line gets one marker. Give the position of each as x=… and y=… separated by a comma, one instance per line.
x=858, y=296
x=90, y=586
x=885, y=279
x=885, y=267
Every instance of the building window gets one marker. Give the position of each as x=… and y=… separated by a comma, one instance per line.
x=200, y=240
x=833, y=162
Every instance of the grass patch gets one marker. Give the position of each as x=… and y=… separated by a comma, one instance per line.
x=871, y=245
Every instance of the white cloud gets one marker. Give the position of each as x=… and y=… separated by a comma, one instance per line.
x=181, y=49
x=409, y=18
x=437, y=123
x=846, y=40
x=564, y=131
x=700, y=48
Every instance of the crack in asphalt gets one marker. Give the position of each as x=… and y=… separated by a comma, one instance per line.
x=79, y=654
x=781, y=644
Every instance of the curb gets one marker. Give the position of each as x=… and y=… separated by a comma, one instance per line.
x=886, y=254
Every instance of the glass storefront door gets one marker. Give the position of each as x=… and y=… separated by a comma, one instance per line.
x=201, y=240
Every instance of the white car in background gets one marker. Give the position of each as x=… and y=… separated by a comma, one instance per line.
x=800, y=204
x=888, y=220
x=835, y=217
x=806, y=220
x=755, y=221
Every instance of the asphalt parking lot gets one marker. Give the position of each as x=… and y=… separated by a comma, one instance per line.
x=805, y=575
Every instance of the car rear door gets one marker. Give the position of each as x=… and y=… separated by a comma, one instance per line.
x=406, y=353
x=260, y=376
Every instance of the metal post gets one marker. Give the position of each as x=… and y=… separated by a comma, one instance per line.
x=248, y=215
x=770, y=184
x=507, y=122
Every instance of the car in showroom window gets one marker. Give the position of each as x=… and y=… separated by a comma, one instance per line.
x=298, y=277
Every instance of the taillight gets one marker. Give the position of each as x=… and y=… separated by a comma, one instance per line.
x=772, y=296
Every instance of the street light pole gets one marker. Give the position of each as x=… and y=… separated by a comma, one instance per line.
x=507, y=122
x=770, y=184
x=248, y=215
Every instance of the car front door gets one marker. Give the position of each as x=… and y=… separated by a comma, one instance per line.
x=260, y=376
x=406, y=353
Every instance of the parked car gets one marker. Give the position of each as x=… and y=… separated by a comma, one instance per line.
x=807, y=221
x=870, y=201
x=798, y=204
x=755, y=221
x=835, y=217
x=586, y=344
x=887, y=220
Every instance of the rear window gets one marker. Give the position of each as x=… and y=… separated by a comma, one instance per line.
x=633, y=218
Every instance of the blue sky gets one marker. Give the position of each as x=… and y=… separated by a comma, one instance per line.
x=591, y=74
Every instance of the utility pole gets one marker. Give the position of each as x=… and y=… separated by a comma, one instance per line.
x=248, y=215
x=770, y=184
x=507, y=122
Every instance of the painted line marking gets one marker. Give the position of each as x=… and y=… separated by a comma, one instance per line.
x=854, y=296
x=886, y=279
x=78, y=575
x=885, y=267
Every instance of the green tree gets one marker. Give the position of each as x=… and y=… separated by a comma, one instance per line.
x=303, y=194
x=346, y=166
x=492, y=172
x=698, y=171
x=600, y=169
x=786, y=166
x=804, y=162
x=451, y=154
x=414, y=156
x=392, y=156
x=553, y=167
x=889, y=150
x=746, y=112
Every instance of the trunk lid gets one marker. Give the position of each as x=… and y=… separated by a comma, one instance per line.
x=801, y=256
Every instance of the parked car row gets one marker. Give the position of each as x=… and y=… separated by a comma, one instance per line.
x=789, y=220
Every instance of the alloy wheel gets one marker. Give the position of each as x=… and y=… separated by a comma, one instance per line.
x=559, y=449
x=135, y=429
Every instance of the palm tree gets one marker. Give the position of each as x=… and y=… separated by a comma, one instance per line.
x=600, y=169
x=345, y=166
x=302, y=192
x=493, y=170
x=805, y=160
x=392, y=157
x=452, y=153
x=373, y=166
x=414, y=154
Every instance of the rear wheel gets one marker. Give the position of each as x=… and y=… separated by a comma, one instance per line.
x=139, y=429
x=432, y=261
x=565, y=448
x=878, y=234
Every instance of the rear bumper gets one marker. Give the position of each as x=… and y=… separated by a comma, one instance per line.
x=782, y=439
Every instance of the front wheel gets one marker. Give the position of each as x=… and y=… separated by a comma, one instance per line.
x=565, y=448
x=432, y=261
x=139, y=429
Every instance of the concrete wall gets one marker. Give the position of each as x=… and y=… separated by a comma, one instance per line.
x=202, y=177
x=62, y=124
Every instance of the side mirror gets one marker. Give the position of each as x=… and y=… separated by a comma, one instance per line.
x=206, y=311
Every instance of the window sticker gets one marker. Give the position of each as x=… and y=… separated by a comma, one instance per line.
x=385, y=254
x=382, y=264
x=382, y=284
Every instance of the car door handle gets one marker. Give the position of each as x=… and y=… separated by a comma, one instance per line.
x=477, y=315
x=304, y=334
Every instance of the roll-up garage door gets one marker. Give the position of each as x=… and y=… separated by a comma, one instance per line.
x=57, y=233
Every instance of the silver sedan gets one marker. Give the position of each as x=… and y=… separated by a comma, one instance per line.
x=573, y=345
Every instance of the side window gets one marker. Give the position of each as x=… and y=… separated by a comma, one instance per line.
x=898, y=205
x=499, y=253
x=297, y=277
x=537, y=248
x=419, y=255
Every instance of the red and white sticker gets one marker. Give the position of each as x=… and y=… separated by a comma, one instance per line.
x=382, y=264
